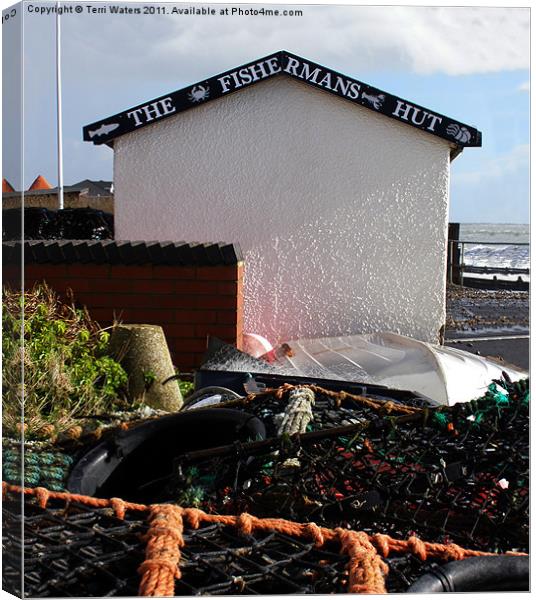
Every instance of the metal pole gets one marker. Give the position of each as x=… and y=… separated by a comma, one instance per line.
x=58, y=106
x=462, y=263
x=451, y=259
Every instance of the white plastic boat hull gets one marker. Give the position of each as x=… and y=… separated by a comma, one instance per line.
x=444, y=374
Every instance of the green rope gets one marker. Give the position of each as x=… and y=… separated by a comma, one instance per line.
x=45, y=469
x=500, y=395
x=440, y=418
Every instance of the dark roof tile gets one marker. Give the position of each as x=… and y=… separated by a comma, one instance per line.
x=214, y=254
x=54, y=253
x=122, y=252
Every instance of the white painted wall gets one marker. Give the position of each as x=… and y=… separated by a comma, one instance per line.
x=341, y=213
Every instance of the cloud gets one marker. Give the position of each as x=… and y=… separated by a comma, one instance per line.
x=497, y=191
x=524, y=87
x=496, y=167
x=352, y=39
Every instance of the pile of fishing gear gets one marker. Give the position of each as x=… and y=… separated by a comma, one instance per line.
x=65, y=224
x=342, y=493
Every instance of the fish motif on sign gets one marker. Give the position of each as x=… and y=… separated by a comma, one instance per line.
x=375, y=101
x=103, y=130
x=198, y=93
x=461, y=134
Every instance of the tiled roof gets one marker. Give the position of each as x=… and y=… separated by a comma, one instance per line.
x=88, y=187
x=123, y=252
x=6, y=186
x=92, y=188
x=40, y=183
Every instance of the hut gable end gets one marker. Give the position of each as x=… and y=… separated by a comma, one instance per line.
x=283, y=63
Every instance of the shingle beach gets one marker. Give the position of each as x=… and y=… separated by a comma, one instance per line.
x=492, y=323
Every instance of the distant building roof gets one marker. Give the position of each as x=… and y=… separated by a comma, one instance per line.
x=40, y=183
x=6, y=186
x=86, y=187
x=91, y=188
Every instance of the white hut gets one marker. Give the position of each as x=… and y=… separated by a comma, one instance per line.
x=336, y=191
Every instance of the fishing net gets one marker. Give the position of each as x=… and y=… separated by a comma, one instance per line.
x=68, y=223
x=69, y=551
x=455, y=474
x=82, y=546
x=356, y=484
x=327, y=408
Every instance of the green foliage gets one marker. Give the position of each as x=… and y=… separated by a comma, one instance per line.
x=193, y=495
x=186, y=387
x=64, y=356
x=149, y=377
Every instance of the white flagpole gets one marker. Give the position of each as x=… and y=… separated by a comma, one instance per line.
x=58, y=106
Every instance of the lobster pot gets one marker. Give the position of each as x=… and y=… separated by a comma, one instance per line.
x=86, y=547
x=404, y=498
x=450, y=474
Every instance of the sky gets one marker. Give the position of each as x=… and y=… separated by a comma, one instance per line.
x=469, y=63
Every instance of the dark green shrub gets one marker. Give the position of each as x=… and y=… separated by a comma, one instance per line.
x=62, y=356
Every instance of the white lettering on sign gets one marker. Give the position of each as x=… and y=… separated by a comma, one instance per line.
x=335, y=83
x=247, y=75
x=307, y=75
x=152, y=111
x=417, y=116
x=298, y=68
x=167, y=106
x=292, y=66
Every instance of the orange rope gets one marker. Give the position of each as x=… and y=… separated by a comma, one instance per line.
x=162, y=554
x=247, y=524
x=366, y=569
x=43, y=495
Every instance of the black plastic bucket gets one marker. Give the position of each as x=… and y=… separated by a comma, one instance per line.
x=137, y=465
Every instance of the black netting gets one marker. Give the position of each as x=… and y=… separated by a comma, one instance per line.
x=67, y=223
x=74, y=551
x=216, y=560
x=458, y=475
x=330, y=409
x=79, y=551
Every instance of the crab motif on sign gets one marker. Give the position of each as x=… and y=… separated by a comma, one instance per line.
x=461, y=134
x=198, y=93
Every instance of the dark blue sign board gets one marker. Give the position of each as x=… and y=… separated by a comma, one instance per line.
x=282, y=63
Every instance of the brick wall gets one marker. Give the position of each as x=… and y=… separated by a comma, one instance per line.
x=190, y=301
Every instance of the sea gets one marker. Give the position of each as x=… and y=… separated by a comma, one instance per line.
x=503, y=249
